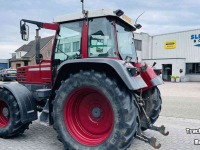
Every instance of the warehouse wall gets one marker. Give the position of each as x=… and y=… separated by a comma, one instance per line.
x=4, y=61
x=177, y=64
x=185, y=47
x=146, y=51
x=193, y=78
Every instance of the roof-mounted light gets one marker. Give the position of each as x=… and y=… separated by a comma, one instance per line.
x=119, y=12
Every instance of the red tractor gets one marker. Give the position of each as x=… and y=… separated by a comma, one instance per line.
x=93, y=91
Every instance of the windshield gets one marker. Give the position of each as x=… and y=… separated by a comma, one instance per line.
x=125, y=39
x=101, y=39
x=68, y=41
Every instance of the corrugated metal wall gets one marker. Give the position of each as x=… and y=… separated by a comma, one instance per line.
x=184, y=49
x=4, y=63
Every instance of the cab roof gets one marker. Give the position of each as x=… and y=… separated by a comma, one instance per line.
x=92, y=14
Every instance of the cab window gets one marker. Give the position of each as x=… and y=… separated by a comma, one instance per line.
x=68, y=41
x=101, y=38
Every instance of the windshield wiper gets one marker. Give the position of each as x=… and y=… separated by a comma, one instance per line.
x=61, y=50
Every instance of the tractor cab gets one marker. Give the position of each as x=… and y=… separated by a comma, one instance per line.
x=108, y=33
x=102, y=33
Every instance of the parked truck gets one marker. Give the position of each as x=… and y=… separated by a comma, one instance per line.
x=93, y=91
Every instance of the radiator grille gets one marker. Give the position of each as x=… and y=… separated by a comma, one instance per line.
x=21, y=75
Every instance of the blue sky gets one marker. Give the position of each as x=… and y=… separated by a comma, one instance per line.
x=162, y=16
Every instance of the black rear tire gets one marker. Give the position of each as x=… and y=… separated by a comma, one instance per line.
x=15, y=126
x=125, y=112
x=153, y=105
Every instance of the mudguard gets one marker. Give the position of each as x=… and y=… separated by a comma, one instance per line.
x=157, y=81
x=133, y=83
x=25, y=100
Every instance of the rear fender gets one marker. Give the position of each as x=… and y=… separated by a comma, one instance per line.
x=150, y=77
x=133, y=83
x=25, y=100
x=116, y=68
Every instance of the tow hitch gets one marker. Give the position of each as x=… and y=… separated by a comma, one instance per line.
x=148, y=125
x=151, y=141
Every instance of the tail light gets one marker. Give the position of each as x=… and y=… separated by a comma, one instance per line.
x=6, y=73
x=138, y=70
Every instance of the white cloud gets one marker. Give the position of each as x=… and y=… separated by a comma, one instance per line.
x=6, y=49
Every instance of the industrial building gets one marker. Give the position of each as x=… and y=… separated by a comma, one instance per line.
x=177, y=54
x=4, y=63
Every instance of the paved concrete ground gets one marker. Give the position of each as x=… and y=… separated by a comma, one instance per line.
x=181, y=102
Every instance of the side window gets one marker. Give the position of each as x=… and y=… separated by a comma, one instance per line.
x=101, y=38
x=76, y=46
x=68, y=41
x=67, y=47
x=138, y=45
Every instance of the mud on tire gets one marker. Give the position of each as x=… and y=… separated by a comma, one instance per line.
x=10, y=125
x=122, y=102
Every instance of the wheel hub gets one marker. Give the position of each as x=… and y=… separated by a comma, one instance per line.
x=96, y=112
x=5, y=112
x=88, y=116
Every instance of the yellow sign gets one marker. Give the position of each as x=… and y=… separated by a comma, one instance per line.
x=170, y=44
x=125, y=17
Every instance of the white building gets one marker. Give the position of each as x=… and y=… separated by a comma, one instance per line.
x=177, y=54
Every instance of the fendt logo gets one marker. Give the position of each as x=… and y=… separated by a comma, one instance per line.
x=196, y=38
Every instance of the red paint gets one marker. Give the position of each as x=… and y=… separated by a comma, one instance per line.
x=116, y=41
x=85, y=40
x=50, y=26
x=80, y=122
x=147, y=76
x=45, y=61
x=6, y=73
x=4, y=121
x=24, y=75
x=52, y=51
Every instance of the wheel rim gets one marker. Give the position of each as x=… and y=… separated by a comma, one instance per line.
x=4, y=114
x=88, y=116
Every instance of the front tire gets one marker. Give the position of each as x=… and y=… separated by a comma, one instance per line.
x=153, y=105
x=10, y=123
x=92, y=112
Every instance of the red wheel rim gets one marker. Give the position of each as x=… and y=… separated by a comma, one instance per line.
x=88, y=116
x=4, y=120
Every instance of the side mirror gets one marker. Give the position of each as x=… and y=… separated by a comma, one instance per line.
x=24, y=30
